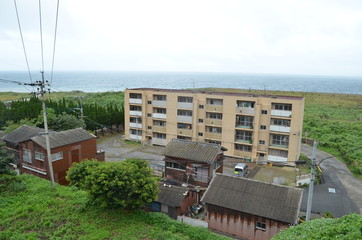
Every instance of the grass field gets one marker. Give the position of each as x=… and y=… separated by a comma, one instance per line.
x=32, y=210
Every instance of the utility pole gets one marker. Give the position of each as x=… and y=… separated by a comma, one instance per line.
x=311, y=184
x=41, y=90
x=81, y=107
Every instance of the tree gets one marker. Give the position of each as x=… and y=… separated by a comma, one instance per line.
x=11, y=126
x=5, y=158
x=347, y=227
x=127, y=184
x=65, y=121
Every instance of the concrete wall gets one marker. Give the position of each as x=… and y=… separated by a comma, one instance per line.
x=192, y=221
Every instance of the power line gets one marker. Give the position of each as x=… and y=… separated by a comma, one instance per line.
x=41, y=38
x=55, y=39
x=22, y=40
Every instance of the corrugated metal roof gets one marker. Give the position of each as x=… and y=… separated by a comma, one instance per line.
x=172, y=195
x=254, y=197
x=196, y=151
x=63, y=138
x=22, y=133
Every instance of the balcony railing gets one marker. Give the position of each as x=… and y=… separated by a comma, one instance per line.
x=135, y=100
x=186, y=132
x=277, y=128
x=244, y=110
x=159, y=141
x=158, y=128
x=135, y=125
x=135, y=113
x=157, y=103
x=243, y=141
x=277, y=158
x=159, y=115
x=210, y=121
x=213, y=135
x=281, y=113
x=185, y=105
x=278, y=146
x=214, y=108
x=135, y=137
x=244, y=127
x=185, y=119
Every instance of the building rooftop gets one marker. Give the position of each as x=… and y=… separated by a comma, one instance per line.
x=218, y=93
x=254, y=197
x=22, y=133
x=63, y=138
x=196, y=151
x=172, y=195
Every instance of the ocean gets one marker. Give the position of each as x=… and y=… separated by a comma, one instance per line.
x=101, y=81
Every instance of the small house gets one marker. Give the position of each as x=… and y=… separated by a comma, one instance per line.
x=250, y=209
x=193, y=163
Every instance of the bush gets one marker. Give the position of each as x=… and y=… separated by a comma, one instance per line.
x=128, y=184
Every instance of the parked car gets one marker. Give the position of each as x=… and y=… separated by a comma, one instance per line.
x=241, y=169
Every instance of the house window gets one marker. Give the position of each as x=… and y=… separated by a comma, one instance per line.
x=264, y=112
x=136, y=132
x=213, y=141
x=212, y=101
x=159, y=97
x=244, y=121
x=149, y=102
x=135, y=120
x=184, y=113
x=244, y=148
x=135, y=108
x=262, y=127
x=260, y=225
x=39, y=156
x=159, y=110
x=135, y=95
x=159, y=123
x=243, y=136
x=201, y=120
x=176, y=165
x=280, y=140
x=201, y=134
x=185, y=99
x=283, y=107
x=149, y=127
x=217, y=130
x=278, y=153
x=184, y=138
x=201, y=106
x=27, y=156
x=149, y=115
x=245, y=104
x=159, y=135
x=57, y=156
x=261, y=142
x=280, y=122
x=214, y=115
x=184, y=126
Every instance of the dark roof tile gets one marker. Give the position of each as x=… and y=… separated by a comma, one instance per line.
x=22, y=134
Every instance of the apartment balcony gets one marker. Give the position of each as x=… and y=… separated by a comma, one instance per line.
x=159, y=141
x=158, y=128
x=213, y=135
x=214, y=108
x=280, y=159
x=185, y=119
x=244, y=110
x=135, y=137
x=157, y=103
x=281, y=113
x=242, y=154
x=185, y=132
x=135, y=125
x=277, y=128
x=210, y=121
x=135, y=100
x=135, y=113
x=159, y=115
x=185, y=105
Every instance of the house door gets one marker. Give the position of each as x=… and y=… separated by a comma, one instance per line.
x=201, y=173
x=75, y=156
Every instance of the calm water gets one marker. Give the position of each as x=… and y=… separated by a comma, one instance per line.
x=118, y=81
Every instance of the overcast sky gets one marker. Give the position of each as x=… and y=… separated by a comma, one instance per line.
x=322, y=37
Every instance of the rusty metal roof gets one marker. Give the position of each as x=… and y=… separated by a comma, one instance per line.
x=196, y=151
x=171, y=195
x=254, y=197
x=22, y=133
x=63, y=138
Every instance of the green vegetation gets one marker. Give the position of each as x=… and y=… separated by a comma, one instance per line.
x=344, y=228
x=127, y=184
x=38, y=212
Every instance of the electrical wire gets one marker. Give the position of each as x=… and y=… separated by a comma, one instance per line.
x=41, y=38
x=55, y=40
x=22, y=40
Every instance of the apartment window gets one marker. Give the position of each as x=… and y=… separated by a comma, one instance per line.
x=159, y=123
x=149, y=102
x=184, y=138
x=214, y=115
x=280, y=122
x=214, y=129
x=244, y=121
x=135, y=120
x=135, y=108
x=260, y=225
x=39, y=156
x=149, y=127
x=159, y=135
x=244, y=148
x=184, y=113
x=159, y=110
x=278, y=153
x=261, y=142
x=57, y=156
x=201, y=120
x=201, y=106
x=184, y=126
x=281, y=106
x=27, y=156
x=149, y=115
x=262, y=127
x=135, y=95
x=176, y=165
x=136, y=132
x=281, y=140
x=184, y=99
x=201, y=134
x=245, y=104
x=213, y=101
x=264, y=112
x=212, y=141
x=159, y=97
x=243, y=135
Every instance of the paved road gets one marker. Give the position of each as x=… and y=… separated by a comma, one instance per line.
x=348, y=189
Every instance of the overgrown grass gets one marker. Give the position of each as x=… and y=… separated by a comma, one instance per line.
x=39, y=212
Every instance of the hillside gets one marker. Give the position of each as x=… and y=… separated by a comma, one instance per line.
x=32, y=210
